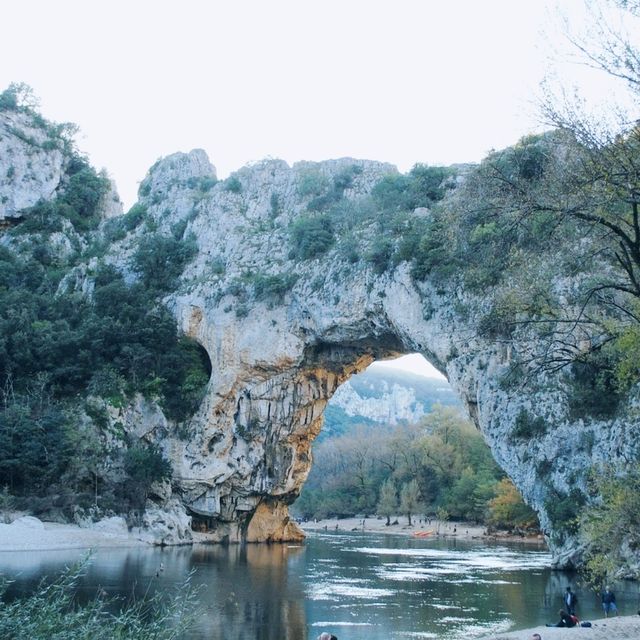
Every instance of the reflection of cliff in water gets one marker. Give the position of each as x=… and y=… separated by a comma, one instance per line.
x=254, y=595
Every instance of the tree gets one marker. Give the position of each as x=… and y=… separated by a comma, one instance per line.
x=144, y=465
x=388, y=501
x=410, y=499
x=611, y=528
x=508, y=509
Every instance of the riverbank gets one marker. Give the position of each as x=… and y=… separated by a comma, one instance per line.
x=31, y=534
x=616, y=628
x=420, y=528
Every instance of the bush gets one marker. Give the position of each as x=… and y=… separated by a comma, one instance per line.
x=272, y=287
x=233, y=185
x=312, y=183
x=161, y=259
x=380, y=253
x=594, y=393
x=53, y=611
x=527, y=427
x=144, y=465
x=310, y=237
x=563, y=510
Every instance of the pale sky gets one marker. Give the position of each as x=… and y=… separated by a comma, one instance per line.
x=414, y=362
x=402, y=81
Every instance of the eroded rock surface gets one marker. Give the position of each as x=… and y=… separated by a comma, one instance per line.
x=278, y=353
x=284, y=325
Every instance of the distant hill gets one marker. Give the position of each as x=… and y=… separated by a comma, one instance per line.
x=384, y=396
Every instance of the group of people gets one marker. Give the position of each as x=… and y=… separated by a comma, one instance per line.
x=568, y=616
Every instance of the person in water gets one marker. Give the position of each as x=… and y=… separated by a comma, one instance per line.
x=566, y=620
x=570, y=601
x=609, y=602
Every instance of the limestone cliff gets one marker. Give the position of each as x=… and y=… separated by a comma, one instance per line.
x=385, y=396
x=283, y=332
x=289, y=302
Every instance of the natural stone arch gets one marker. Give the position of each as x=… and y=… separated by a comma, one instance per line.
x=283, y=331
x=250, y=451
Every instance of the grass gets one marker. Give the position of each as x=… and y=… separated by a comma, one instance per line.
x=52, y=612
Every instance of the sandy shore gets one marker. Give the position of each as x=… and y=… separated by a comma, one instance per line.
x=616, y=628
x=419, y=528
x=30, y=534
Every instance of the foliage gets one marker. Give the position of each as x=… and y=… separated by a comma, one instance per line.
x=78, y=202
x=611, y=527
x=18, y=97
x=563, y=510
x=528, y=427
x=380, y=254
x=409, y=499
x=312, y=183
x=144, y=465
x=388, y=501
x=310, y=237
x=53, y=612
x=272, y=287
x=508, y=509
x=161, y=259
x=35, y=443
x=324, y=192
x=54, y=348
x=421, y=187
x=593, y=391
x=233, y=185
x=443, y=460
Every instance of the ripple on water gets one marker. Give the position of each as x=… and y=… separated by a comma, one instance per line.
x=339, y=623
x=338, y=590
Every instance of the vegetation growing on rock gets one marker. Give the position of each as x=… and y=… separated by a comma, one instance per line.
x=61, y=346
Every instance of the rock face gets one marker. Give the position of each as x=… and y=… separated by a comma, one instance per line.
x=279, y=352
x=31, y=167
x=388, y=396
x=287, y=312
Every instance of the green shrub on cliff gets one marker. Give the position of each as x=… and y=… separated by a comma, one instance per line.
x=611, y=527
x=160, y=260
x=310, y=237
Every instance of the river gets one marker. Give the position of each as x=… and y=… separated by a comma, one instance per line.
x=355, y=585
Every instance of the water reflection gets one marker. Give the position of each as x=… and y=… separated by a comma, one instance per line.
x=356, y=585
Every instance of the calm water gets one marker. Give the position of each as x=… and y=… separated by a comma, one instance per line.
x=355, y=585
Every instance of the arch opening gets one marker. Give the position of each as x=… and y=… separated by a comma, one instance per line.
x=398, y=445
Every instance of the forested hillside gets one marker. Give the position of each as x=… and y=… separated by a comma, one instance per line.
x=70, y=359
x=438, y=467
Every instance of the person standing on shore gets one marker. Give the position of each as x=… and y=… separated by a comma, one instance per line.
x=609, y=602
x=570, y=601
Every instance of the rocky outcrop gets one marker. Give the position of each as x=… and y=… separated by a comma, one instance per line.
x=32, y=165
x=289, y=295
x=279, y=354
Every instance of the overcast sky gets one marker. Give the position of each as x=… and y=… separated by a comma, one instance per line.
x=402, y=81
